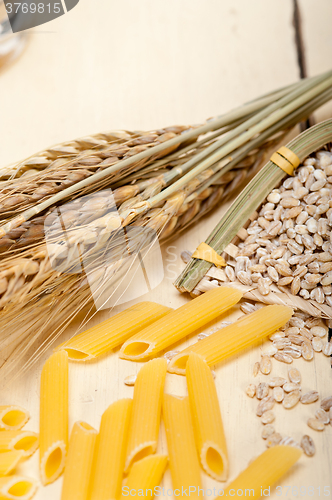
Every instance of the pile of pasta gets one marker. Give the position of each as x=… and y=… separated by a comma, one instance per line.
x=121, y=458
x=16, y=445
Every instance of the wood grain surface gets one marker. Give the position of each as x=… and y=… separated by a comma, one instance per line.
x=139, y=65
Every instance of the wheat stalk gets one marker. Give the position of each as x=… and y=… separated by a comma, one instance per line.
x=164, y=187
x=31, y=287
x=62, y=166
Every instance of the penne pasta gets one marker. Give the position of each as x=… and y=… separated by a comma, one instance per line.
x=264, y=471
x=53, y=417
x=179, y=323
x=232, y=339
x=145, y=420
x=183, y=459
x=13, y=417
x=79, y=462
x=209, y=431
x=9, y=460
x=144, y=477
x=110, y=452
x=113, y=332
x=12, y=487
x=24, y=441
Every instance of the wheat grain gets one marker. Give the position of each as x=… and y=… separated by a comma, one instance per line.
x=309, y=397
x=278, y=394
x=267, y=431
x=315, y=424
x=308, y=445
x=322, y=416
x=251, y=390
x=273, y=440
x=290, y=400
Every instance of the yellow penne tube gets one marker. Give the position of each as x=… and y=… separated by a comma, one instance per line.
x=9, y=460
x=145, y=420
x=113, y=332
x=263, y=472
x=79, y=462
x=209, y=431
x=24, y=441
x=234, y=338
x=53, y=417
x=13, y=417
x=110, y=452
x=12, y=487
x=183, y=458
x=144, y=477
x=179, y=323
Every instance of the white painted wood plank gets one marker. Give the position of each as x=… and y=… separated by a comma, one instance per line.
x=317, y=37
x=139, y=65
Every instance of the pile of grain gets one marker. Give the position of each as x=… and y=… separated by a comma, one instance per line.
x=290, y=242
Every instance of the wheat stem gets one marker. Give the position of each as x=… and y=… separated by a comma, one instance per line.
x=249, y=129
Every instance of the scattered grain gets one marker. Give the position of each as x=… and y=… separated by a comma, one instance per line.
x=307, y=351
x=308, y=445
x=326, y=403
x=273, y=440
x=291, y=386
x=262, y=390
x=322, y=416
x=291, y=399
x=327, y=348
x=256, y=369
x=251, y=390
x=309, y=397
x=317, y=344
x=267, y=431
x=284, y=358
x=265, y=365
x=265, y=404
x=130, y=380
x=268, y=417
x=315, y=424
x=294, y=375
x=278, y=394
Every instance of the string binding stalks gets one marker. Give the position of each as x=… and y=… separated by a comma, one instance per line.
x=288, y=261
x=162, y=181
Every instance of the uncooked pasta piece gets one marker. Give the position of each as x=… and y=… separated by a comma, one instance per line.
x=13, y=418
x=53, y=417
x=24, y=441
x=145, y=420
x=179, y=323
x=245, y=332
x=113, y=332
x=9, y=460
x=144, y=476
x=79, y=462
x=183, y=458
x=12, y=487
x=209, y=431
x=264, y=471
x=110, y=451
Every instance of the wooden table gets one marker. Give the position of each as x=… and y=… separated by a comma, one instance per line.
x=140, y=65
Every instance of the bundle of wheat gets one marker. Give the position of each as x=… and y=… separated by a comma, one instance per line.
x=97, y=189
